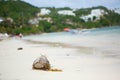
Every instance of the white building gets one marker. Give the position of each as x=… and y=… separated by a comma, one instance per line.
x=66, y=12
x=44, y=11
x=96, y=12
x=1, y=20
x=117, y=10
x=34, y=21
x=10, y=19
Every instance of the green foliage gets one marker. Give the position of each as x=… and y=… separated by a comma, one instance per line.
x=113, y=18
x=81, y=12
x=45, y=26
x=91, y=24
x=18, y=10
x=21, y=12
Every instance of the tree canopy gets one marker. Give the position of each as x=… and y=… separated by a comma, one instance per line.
x=17, y=13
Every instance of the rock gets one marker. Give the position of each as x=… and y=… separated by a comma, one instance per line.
x=41, y=63
x=20, y=48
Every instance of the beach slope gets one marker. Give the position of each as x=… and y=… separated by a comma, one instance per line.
x=17, y=64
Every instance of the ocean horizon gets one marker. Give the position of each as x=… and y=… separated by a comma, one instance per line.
x=100, y=40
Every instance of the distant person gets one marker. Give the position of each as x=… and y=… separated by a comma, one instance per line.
x=19, y=35
x=6, y=35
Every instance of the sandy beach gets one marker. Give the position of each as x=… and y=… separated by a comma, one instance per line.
x=17, y=64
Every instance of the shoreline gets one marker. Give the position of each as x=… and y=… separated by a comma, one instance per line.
x=74, y=63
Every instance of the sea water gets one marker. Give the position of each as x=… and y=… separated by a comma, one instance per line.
x=101, y=40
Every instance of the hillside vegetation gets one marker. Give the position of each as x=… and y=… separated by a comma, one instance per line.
x=17, y=14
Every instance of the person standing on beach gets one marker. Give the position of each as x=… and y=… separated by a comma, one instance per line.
x=19, y=35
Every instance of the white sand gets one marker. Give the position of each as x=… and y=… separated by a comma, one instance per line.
x=17, y=64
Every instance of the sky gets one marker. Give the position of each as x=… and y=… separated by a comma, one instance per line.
x=75, y=3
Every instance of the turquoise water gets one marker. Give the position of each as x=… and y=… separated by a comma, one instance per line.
x=66, y=37
x=106, y=40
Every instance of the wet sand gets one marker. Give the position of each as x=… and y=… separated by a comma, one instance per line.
x=76, y=63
